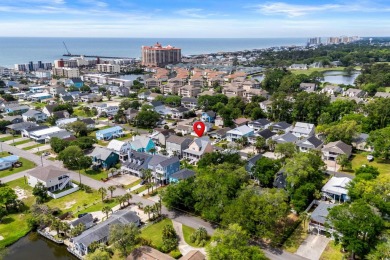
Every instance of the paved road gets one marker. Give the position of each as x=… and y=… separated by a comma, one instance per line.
x=183, y=218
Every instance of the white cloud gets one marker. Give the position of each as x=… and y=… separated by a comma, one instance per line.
x=191, y=13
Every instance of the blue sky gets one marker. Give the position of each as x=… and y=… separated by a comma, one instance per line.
x=189, y=18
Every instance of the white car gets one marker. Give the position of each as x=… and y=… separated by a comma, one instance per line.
x=370, y=157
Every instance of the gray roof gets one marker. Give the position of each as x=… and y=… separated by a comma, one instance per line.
x=280, y=180
x=21, y=107
x=137, y=160
x=266, y=133
x=67, y=98
x=222, y=132
x=32, y=112
x=314, y=142
x=260, y=122
x=101, y=230
x=321, y=212
x=361, y=138
x=338, y=147
x=286, y=138
x=88, y=121
x=189, y=99
x=62, y=134
x=47, y=173
x=50, y=108
x=281, y=125
x=21, y=126
x=88, y=218
x=101, y=153
x=183, y=174
x=59, y=114
x=252, y=162
x=36, y=128
x=181, y=109
x=179, y=140
x=169, y=161
x=156, y=160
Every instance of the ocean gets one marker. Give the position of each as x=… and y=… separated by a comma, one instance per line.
x=16, y=50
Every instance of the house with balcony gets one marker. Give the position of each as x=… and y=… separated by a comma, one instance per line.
x=34, y=115
x=189, y=91
x=56, y=180
x=104, y=157
x=163, y=167
x=160, y=135
x=143, y=144
x=109, y=133
x=177, y=81
x=332, y=90
x=303, y=129
x=152, y=83
x=170, y=88
x=285, y=138
x=208, y=116
x=354, y=92
x=198, y=148
x=309, y=143
x=318, y=218
x=259, y=124
x=281, y=127
x=336, y=189
x=136, y=163
x=119, y=147
x=189, y=102
x=266, y=106
x=196, y=82
x=239, y=132
x=332, y=150
x=175, y=145
x=233, y=91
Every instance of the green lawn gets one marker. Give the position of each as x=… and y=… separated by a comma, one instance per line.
x=81, y=113
x=26, y=166
x=97, y=175
x=141, y=189
x=332, y=252
x=38, y=104
x=311, y=70
x=297, y=237
x=21, y=142
x=360, y=159
x=7, y=138
x=131, y=185
x=187, y=231
x=154, y=232
x=32, y=147
x=125, y=137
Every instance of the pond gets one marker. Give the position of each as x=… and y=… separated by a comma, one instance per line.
x=133, y=76
x=340, y=77
x=34, y=246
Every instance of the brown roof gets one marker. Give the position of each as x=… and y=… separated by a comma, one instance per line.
x=47, y=173
x=147, y=253
x=338, y=147
x=194, y=255
x=177, y=139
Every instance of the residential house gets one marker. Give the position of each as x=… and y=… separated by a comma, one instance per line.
x=130, y=113
x=189, y=91
x=360, y=143
x=249, y=94
x=266, y=106
x=63, y=135
x=163, y=167
x=64, y=121
x=13, y=119
x=354, y=92
x=42, y=134
x=175, y=145
x=136, y=163
x=252, y=163
x=179, y=112
x=100, y=232
x=119, y=147
x=170, y=88
x=108, y=110
x=285, y=138
x=183, y=129
x=318, y=218
x=77, y=82
x=308, y=87
x=241, y=121
x=332, y=90
x=298, y=67
x=104, y=157
x=92, y=97
x=336, y=189
x=219, y=121
x=193, y=255
x=303, y=129
x=89, y=122
x=309, y=143
x=196, y=82
x=281, y=127
x=266, y=134
x=34, y=115
x=183, y=174
x=197, y=149
x=280, y=181
x=61, y=114
x=382, y=94
x=49, y=109
x=152, y=83
x=16, y=110
x=8, y=161
x=56, y=180
x=220, y=133
x=233, y=91
x=152, y=96
x=26, y=131
x=148, y=253
x=208, y=116
x=143, y=144
x=334, y=149
x=177, y=81
x=189, y=102
x=66, y=99
x=109, y=133
x=144, y=95
x=56, y=90
x=86, y=220
x=123, y=92
x=160, y=135
x=239, y=132
x=259, y=124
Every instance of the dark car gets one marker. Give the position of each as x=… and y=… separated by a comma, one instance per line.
x=82, y=215
x=143, y=182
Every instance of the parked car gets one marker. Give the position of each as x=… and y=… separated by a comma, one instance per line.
x=370, y=157
x=143, y=182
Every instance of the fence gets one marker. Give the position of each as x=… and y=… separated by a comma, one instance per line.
x=64, y=193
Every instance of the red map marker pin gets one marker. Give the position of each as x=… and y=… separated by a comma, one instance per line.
x=199, y=128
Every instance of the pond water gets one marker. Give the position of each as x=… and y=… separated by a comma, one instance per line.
x=34, y=246
x=132, y=76
x=340, y=77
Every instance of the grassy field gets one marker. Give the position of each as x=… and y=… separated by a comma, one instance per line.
x=141, y=189
x=311, y=70
x=297, y=237
x=154, y=232
x=21, y=142
x=332, y=252
x=131, y=185
x=26, y=166
x=187, y=231
x=360, y=159
x=7, y=138
x=32, y=147
x=97, y=175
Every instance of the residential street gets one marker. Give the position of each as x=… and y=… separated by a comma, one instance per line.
x=183, y=218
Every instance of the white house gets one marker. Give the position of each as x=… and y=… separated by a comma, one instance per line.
x=8, y=161
x=332, y=90
x=119, y=147
x=336, y=189
x=41, y=135
x=239, y=132
x=34, y=115
x=354, y=92
x=64, y=121
x=54, y=179
x=303, y=129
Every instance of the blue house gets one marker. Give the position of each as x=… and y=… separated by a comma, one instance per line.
x=109, y=133
x=18, y=109
x=104, y=158
x=163, y=167
x=142, y=144
x=208, y=116
x=77, y=82
x=8, y=161
x=181, y=175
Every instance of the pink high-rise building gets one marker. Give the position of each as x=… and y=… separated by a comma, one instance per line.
x=160, y=56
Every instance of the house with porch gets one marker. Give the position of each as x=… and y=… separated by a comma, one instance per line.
x=336, y=189
x=119, y=147
x=86, y=220
x=109, y=133
x=163, y=167
x=332, y=150
x=259, y=124
x=239, y=132
x=103, y=157
x=143, y=144
x=309, y=143
x=160, y=135
x=303, y=129
x=208, y=116
x=136, y=163
x=34, y=115
x=318, y=217
x=175, y=145
x=198, y=148
x=56, y=180
x=189, y=102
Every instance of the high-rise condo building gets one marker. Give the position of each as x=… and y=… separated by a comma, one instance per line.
x=160, y=56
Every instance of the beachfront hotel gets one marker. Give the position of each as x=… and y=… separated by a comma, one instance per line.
x=159, y=56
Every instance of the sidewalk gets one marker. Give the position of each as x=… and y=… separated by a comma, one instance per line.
x=184, y=248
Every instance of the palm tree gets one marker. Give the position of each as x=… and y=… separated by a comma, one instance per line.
x=102, y=191
x=139, y=204
x=111, y=188
x=56, y=224
x=147, y=174
x=160, y=175
x=112, y=171
x=106, y=210
x=64, y=227
x=271, y=143
x=121, y=200
x=148, y=210
x=260, y=143
x=149, y=185
x=128, y=197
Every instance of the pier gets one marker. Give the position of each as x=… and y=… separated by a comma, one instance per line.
x=95, y=56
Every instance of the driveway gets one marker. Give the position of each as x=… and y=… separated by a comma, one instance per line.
x=331, y=165
x=124, y=179
x=313, y=246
